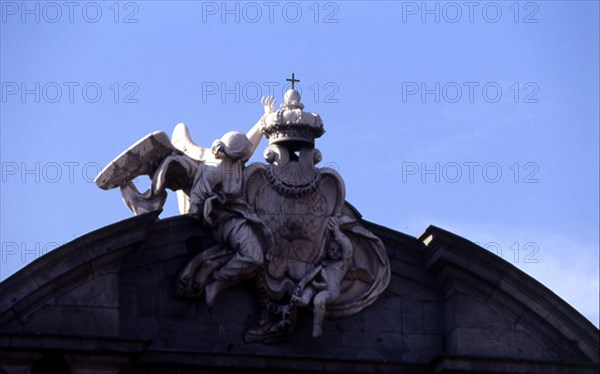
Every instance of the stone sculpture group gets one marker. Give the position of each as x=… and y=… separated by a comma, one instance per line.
x=284, y=224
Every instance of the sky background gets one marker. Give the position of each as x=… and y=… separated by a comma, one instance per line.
x=481, y=119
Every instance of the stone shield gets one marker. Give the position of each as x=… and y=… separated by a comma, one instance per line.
x=297, y=220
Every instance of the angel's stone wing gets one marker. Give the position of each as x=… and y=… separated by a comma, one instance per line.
x=142, y=158
x=182, y=141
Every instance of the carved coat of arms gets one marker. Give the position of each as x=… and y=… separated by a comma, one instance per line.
x=284, y=224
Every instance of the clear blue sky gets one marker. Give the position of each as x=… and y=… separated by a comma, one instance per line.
x=481, y=119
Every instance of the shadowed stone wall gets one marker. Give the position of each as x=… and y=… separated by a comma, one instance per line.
x=105, y=303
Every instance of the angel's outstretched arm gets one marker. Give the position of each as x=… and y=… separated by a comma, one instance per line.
x=254, y=135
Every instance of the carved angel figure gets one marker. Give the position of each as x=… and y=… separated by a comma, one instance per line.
x=208, y=182
x=215, y=198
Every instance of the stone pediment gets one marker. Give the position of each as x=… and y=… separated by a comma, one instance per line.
x=106, y=302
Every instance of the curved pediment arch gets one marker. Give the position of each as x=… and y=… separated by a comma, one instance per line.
x=107, y=299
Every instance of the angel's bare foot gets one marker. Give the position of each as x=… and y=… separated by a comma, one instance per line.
x=213, y=290
x=317, y=330
x=185, y=288
x=301, y=301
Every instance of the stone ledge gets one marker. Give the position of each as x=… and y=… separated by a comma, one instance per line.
x=447, y=365
x=250, y=363
x=26, y=342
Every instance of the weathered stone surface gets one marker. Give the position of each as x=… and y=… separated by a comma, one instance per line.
x=100, y=292
x=421, y=347
x=74, y=321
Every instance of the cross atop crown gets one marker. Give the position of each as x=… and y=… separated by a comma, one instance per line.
x=293, y=80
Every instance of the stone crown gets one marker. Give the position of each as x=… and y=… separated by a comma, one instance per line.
x=291, y=124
